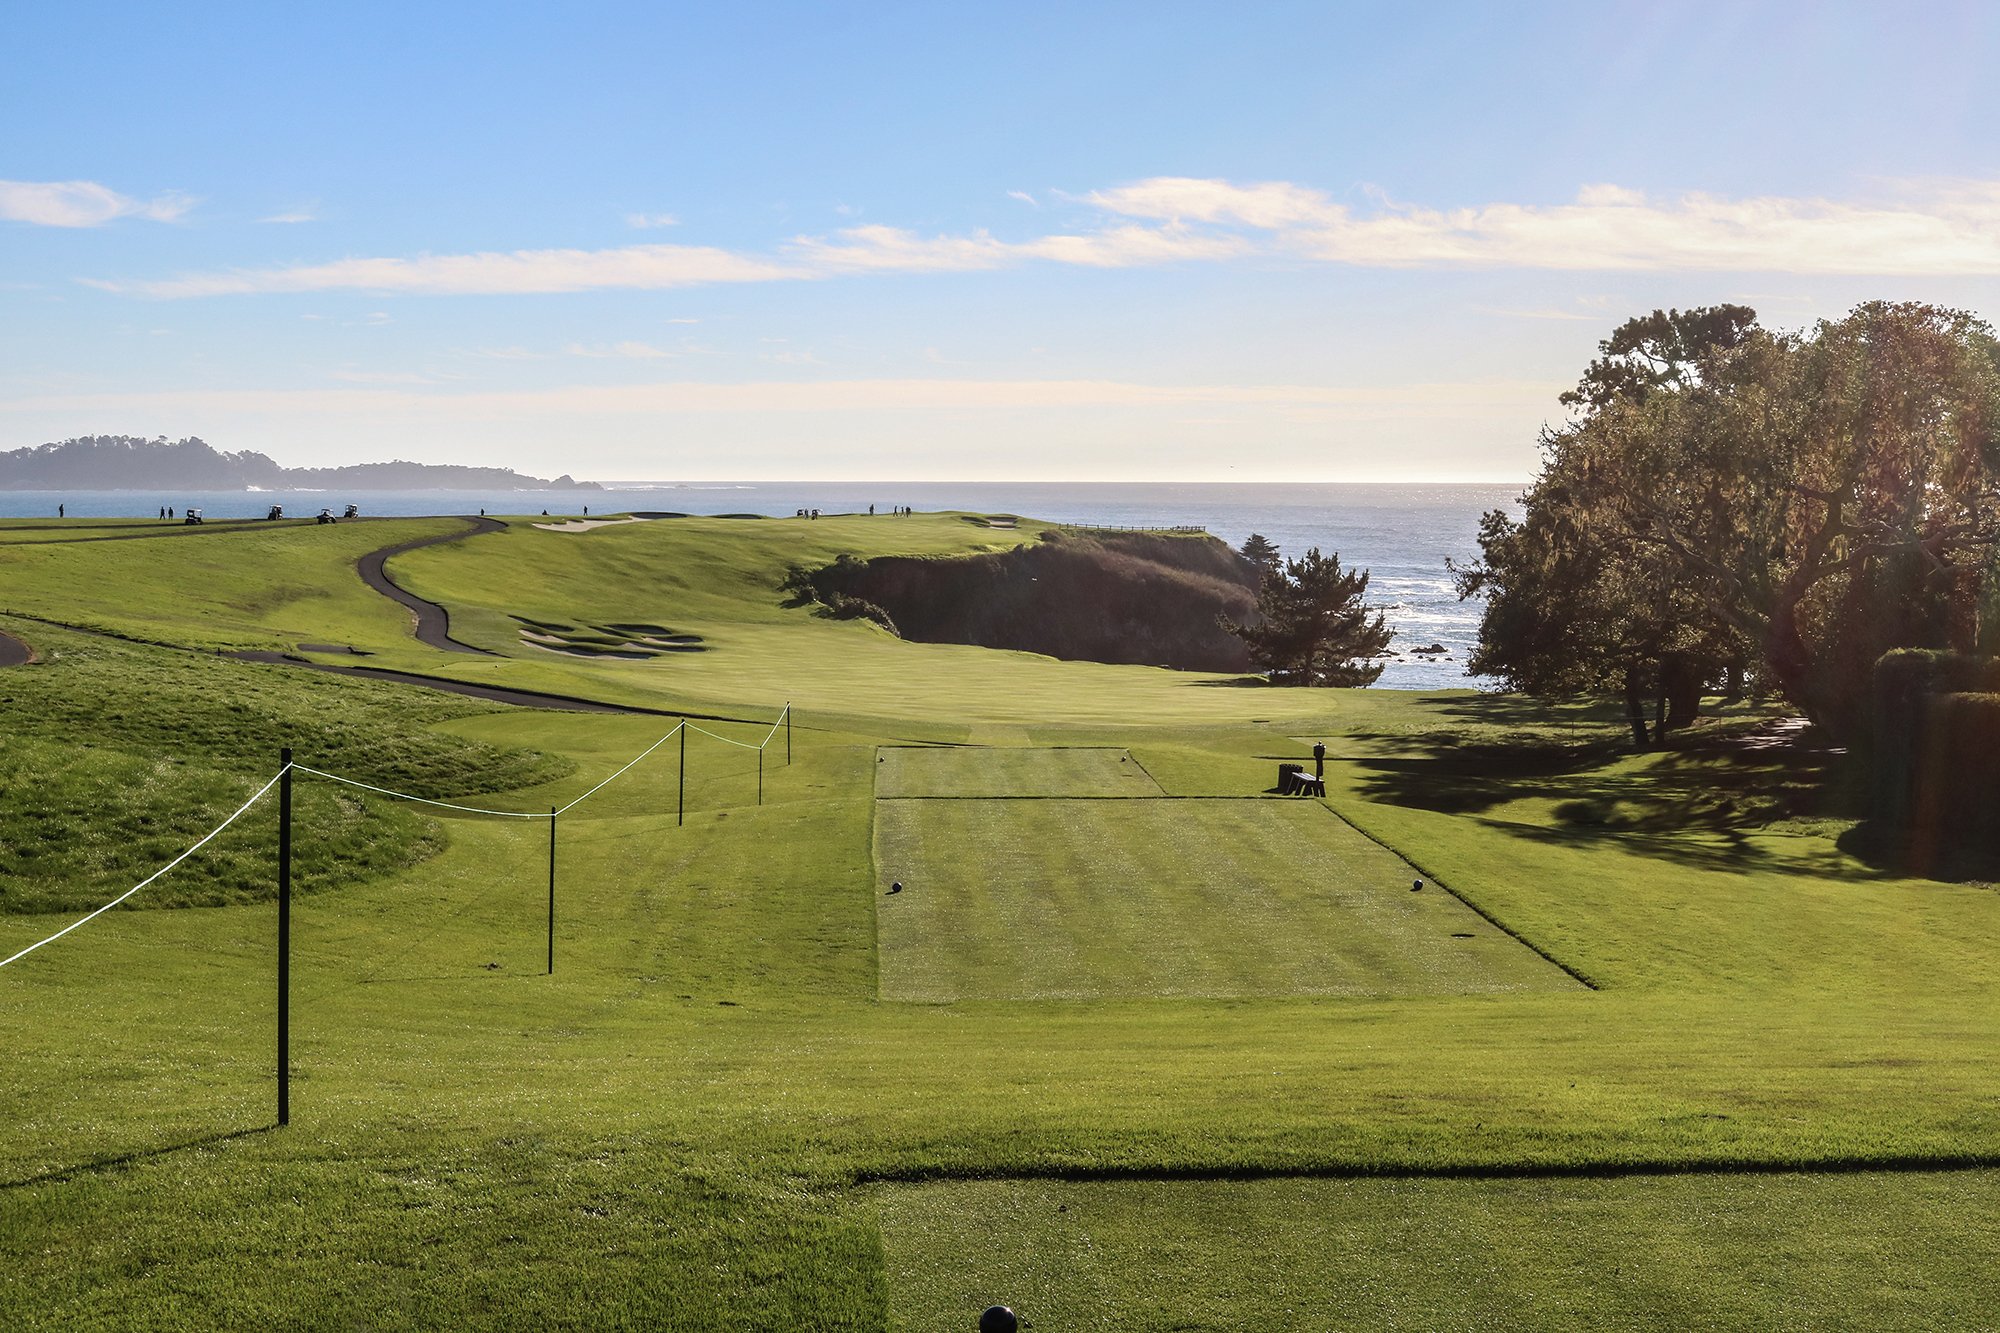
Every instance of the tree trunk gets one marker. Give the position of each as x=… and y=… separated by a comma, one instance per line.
x=1635, y=711
x=1790, y=661
x=1681, y=684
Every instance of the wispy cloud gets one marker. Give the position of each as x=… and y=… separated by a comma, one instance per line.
x=1954, y=230
x=305, y=213
x=633, y=267
x=1951, y=229
x=1024, y=197
x=643, y=221
x=387, y=377
x=624, y=351
x=82, y=204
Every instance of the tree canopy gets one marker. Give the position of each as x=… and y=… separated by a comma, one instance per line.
x=1733, y=498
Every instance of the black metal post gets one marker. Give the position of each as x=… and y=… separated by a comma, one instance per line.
x=681, y=801
x=285, y=937
x=788, y=733
x=552, y=890
x=760, y=775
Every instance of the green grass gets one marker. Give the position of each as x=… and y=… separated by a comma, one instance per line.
x=976, y=771
x=120, y=756
x=234, y=586
x=708, y=1118
x=1066, y=899
x=1703, y=1252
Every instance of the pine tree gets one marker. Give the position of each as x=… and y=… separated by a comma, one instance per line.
x=1262, y=552
x=1312, y=626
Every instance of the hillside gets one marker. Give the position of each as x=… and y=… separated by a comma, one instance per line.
x=128, y=462
x=1139, y=598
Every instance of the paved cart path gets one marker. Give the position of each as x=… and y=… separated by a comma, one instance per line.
x=433, y=621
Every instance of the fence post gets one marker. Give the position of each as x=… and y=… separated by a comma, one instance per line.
x=788, y=733
x=285, y=937
x=760, y=775
x=681, y=800
x=552, y=890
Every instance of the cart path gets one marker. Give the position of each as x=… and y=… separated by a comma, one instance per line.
x=433, y=621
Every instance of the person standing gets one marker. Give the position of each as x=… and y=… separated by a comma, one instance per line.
x=61, y=511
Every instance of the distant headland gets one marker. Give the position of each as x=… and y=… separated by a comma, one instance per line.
x=130, y=463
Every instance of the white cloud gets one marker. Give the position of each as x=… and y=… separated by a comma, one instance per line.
x=634, y=267
x=1024, y=197
x=82, y=204
x=1271, y=205
x=308, y=213
x=1941, y=229
x=627, y=351
x=646, y=220
x=386, y=377
x=892, y=249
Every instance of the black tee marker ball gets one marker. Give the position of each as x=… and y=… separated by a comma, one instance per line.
x=1417, y=887
x=998, y=1319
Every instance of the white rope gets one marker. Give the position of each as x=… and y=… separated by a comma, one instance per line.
x=682, y=725
x=155, y=875
x=425, y=800
x=724, y=739
x=772, y=734
x=636, y=758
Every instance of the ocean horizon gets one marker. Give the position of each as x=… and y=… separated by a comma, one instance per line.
x=1401, y=532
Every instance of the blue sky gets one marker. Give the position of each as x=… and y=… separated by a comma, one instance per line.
x=1158, y=241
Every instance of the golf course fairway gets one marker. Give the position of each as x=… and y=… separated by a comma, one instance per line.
x=1513, y=1029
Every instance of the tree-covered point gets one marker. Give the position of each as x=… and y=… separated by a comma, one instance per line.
x=1733, y=501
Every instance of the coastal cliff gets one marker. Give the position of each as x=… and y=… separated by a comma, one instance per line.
x=1154, y=599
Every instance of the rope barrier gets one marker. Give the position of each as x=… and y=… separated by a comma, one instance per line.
x=724, y=739
x=620, y=773
x=261, y=793
x=425, y=800
x=682, y=725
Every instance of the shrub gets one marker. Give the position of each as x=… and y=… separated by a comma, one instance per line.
x=1907, y=681
x=842, y=607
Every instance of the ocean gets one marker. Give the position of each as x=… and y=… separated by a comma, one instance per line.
x=1401, y=534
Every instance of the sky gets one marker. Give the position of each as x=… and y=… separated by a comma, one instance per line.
x=1157, y=241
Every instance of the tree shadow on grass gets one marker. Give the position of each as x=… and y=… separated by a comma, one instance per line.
x=1700, y=803
x=119, y=1161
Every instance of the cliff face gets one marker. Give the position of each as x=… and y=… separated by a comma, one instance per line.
x=1145, y=598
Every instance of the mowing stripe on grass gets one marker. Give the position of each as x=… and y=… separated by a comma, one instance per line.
x=1087, y=899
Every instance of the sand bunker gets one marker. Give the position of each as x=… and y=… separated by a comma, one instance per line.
x=586, y=524
x=626, y=640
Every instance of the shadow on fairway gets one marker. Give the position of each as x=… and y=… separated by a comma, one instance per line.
x=119, y=1161
x=1700, y=803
